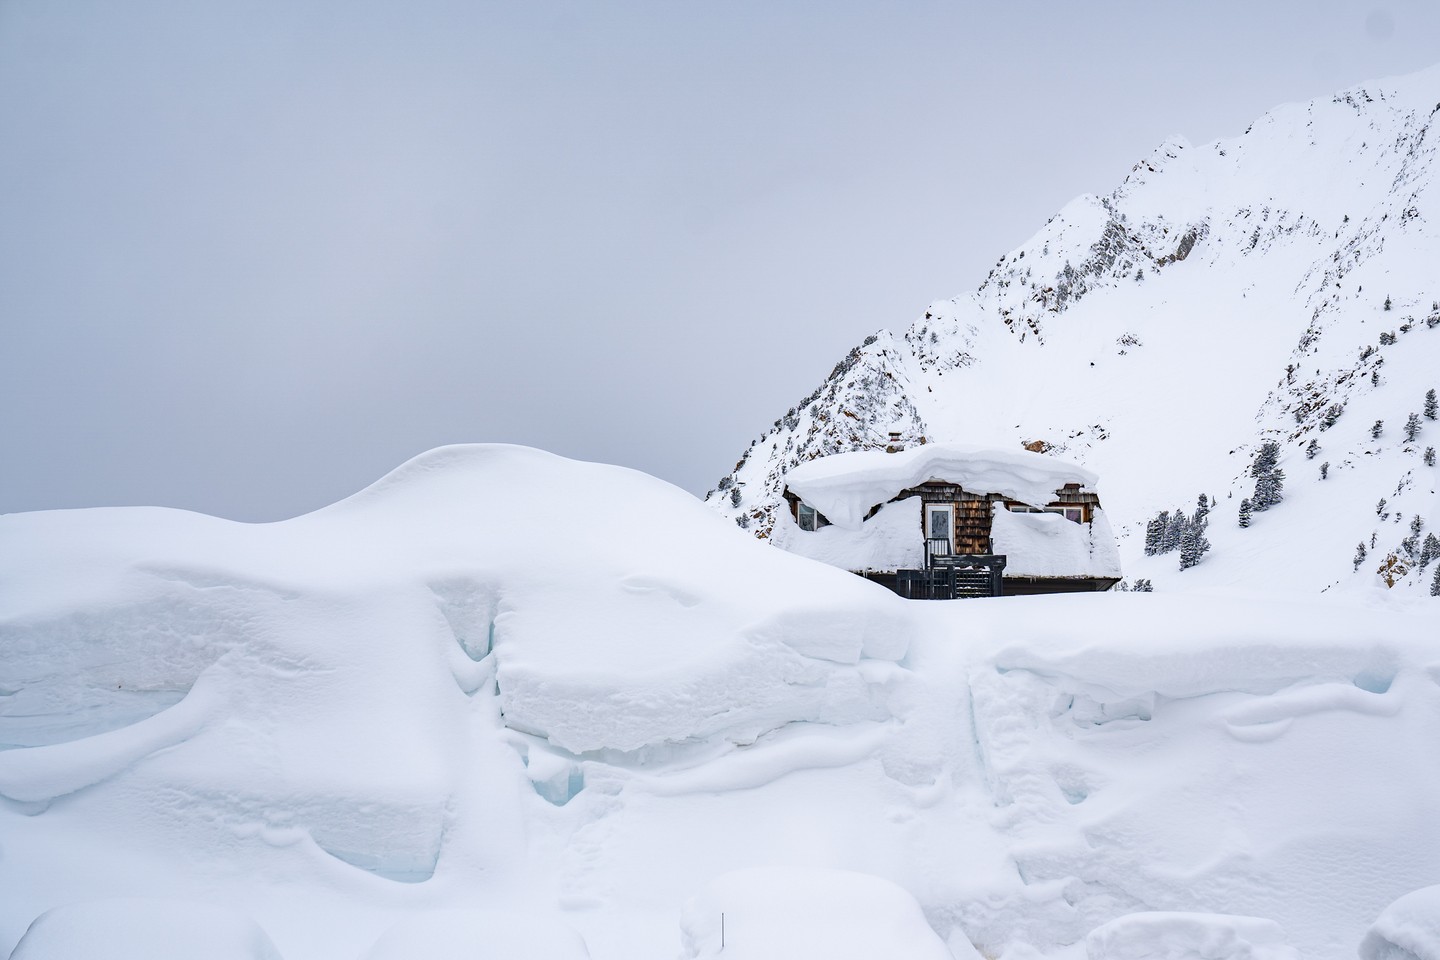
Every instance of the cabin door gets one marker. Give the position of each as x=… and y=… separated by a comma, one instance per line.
x=940, y=529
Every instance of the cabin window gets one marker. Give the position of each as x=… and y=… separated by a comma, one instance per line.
x=1073, y=514
x=805, y=515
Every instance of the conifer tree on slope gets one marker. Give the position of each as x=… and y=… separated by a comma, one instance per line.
x=1193, y=545
x=1269, y=480
x=1174, y=531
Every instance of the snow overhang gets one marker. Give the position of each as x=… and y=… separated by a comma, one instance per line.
x=846, y=486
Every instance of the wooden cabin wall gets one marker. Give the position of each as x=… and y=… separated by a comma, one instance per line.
x=975, y=512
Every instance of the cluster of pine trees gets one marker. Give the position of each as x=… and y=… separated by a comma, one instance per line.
x=1176, y=531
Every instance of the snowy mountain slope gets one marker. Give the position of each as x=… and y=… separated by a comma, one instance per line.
x=1219, y=297
x=505, y=703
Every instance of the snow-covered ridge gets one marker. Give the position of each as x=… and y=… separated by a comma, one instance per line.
x=1222, y=295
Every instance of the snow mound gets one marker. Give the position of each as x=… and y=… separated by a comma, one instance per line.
x=1408, y=929
x=142, y=929
x=775, y=913
x=1048, y=545
x=845, y=486
x=890, y=540
x=1188, y=936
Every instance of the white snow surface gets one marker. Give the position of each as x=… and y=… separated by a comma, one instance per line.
x=1048, y=545
x=511, y=697
x=890, y=540
x=1188, y=936
x=1408, y=929
x=845, y=486
x=787, y=913
x=133, y=927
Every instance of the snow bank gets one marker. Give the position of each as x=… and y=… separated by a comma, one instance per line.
x=775, y=913
x=1188, y=936
x=846, y=485
x=142, y=929
x=890, y=540
x=1408, y=929
x=1048, y=545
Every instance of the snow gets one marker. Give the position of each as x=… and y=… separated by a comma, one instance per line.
x=136, y=927
x=890, y=540
x=1049, y=545
x=779, y=913
x=1188, y=936
x=410, y=722
x=465, y=934
x=1408, y=929
x=844, y=487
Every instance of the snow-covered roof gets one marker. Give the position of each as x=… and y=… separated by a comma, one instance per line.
x=845, y=486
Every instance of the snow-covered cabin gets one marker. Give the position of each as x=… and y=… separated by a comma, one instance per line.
x=944, y=520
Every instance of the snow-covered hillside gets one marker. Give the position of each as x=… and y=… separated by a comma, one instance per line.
x=1221, y=296
x=506, y=704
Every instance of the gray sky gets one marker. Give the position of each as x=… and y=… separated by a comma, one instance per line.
x=255, y=254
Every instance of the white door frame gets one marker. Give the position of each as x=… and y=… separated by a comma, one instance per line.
x=949, y=532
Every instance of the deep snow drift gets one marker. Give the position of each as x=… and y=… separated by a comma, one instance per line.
x=504, y=701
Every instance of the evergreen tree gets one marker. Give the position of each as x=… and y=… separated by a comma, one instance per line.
x=1332, y=413
x=1380, y=510
x=1174, y=531
x=1245, y=512
x=1193, y=545
x=1429, y=456
x=1143, y=585
x=1155, y=533
x=1265, y=458
x=1417, y=523
x=1325, y=470
x=1268, y=490
x=1269, y=481
x=1377, y=429
x=1432, y=406
x=1312, y=449
x=1202, y=510
x=1435, y=584
x=1387, y=301
x=1359, y=554
x=1412, y=427
x=1429, y=550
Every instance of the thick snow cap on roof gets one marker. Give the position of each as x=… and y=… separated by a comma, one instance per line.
x=846, y=485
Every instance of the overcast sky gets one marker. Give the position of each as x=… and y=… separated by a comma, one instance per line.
x=253, y=254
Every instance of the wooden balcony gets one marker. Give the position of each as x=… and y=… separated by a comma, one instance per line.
x=950, y=576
